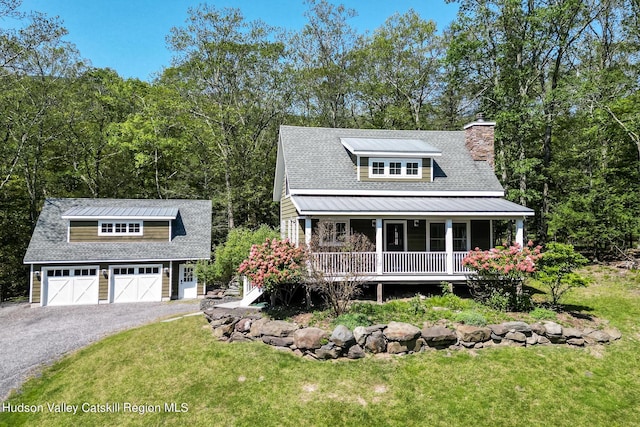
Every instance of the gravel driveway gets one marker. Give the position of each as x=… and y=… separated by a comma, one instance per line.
x=33, y=337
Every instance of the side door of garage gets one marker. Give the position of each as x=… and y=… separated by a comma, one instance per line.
x=139, y=283
x=70, y=285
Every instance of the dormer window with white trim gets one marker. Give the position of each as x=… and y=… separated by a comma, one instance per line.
x=120, y=228
x=395, y=168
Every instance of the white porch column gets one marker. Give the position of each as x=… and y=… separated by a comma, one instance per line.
x=307, y=231
x=379, y=246
x=520, y=232
x=448, y=242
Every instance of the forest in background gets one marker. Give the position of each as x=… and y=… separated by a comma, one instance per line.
x=560, y=78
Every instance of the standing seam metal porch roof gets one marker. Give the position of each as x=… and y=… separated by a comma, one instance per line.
x=423, y=206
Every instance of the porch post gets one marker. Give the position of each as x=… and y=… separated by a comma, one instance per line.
x=307, y=231
x=379, y=246
x=520, y=232
x=448, y=239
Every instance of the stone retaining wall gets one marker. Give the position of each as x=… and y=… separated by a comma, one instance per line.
x=394, y=337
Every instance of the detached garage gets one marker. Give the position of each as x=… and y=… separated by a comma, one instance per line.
x=101, y=251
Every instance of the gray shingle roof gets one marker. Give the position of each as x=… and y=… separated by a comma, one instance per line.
x=315, y=158
x=191, y=231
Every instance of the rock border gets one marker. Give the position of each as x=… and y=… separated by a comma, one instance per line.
x=395, y=338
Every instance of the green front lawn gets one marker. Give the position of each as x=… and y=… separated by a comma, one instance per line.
x=255, y=385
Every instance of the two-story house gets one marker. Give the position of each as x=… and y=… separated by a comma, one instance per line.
x=90, y=251
x=424, y=198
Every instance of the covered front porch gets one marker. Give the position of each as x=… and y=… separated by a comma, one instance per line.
x=409, y=249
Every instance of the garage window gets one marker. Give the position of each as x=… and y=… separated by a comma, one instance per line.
x=138, y=270
x=60, y=272
x=84, y=272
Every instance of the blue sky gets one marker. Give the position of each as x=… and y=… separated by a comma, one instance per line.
x=129, y=35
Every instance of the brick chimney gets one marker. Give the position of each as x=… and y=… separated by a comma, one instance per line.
x=478, y=138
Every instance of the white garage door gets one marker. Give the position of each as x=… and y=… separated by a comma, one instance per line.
x=136, y=283
x=71, y=285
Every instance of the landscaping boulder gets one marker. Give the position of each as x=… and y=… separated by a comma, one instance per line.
x=360, y=334
x=342, y=337
x=569, y=333
x=355, y=352
x=599, y=336
x=399, y=331
x=309, y=338
x=277, y=341
x=244, y=325
x=613, y=333
x=518, y=327
x=575, y=341
x=256, y=327
x=398, y=347
x=375, y=342
x=223, y=331
x=278, y=328
x=537, y=328
x=542, y=340
x=328, y=351
x=439, y=336
x=518, y=337
x=552, y=329
x=473, y=334
x=371, y=329
x=238, y=337
x=499, y=330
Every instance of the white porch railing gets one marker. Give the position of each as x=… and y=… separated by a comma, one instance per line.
x=340, y=263
x=414, y=262
x=457, y=263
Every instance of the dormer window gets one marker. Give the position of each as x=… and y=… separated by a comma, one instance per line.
x=120, y=228
x=395, y=168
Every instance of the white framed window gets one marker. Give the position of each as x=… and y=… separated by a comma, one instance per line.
x=437, y=241
x=120, y=228
x=377, y=168
x=334, y=233
x=395, y=168
x=460, y=237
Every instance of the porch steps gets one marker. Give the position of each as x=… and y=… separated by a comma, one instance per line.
x=251, y=294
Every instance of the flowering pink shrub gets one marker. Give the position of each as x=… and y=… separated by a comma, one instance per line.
x=273, y=263
x=513, y=261
x=500, y=272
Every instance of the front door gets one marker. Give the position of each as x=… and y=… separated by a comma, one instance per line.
x=395, y=237
x=188, y=288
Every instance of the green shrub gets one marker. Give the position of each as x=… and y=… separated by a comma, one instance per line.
x=230, y=255
x=470, y=317
x=351, y=320
x=540, y=313
x=449, y=301
x=556, y=270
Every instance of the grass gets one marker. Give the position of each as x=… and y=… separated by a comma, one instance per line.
x=247, y=384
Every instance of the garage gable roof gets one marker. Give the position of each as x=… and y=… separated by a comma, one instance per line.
x=191, y=231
